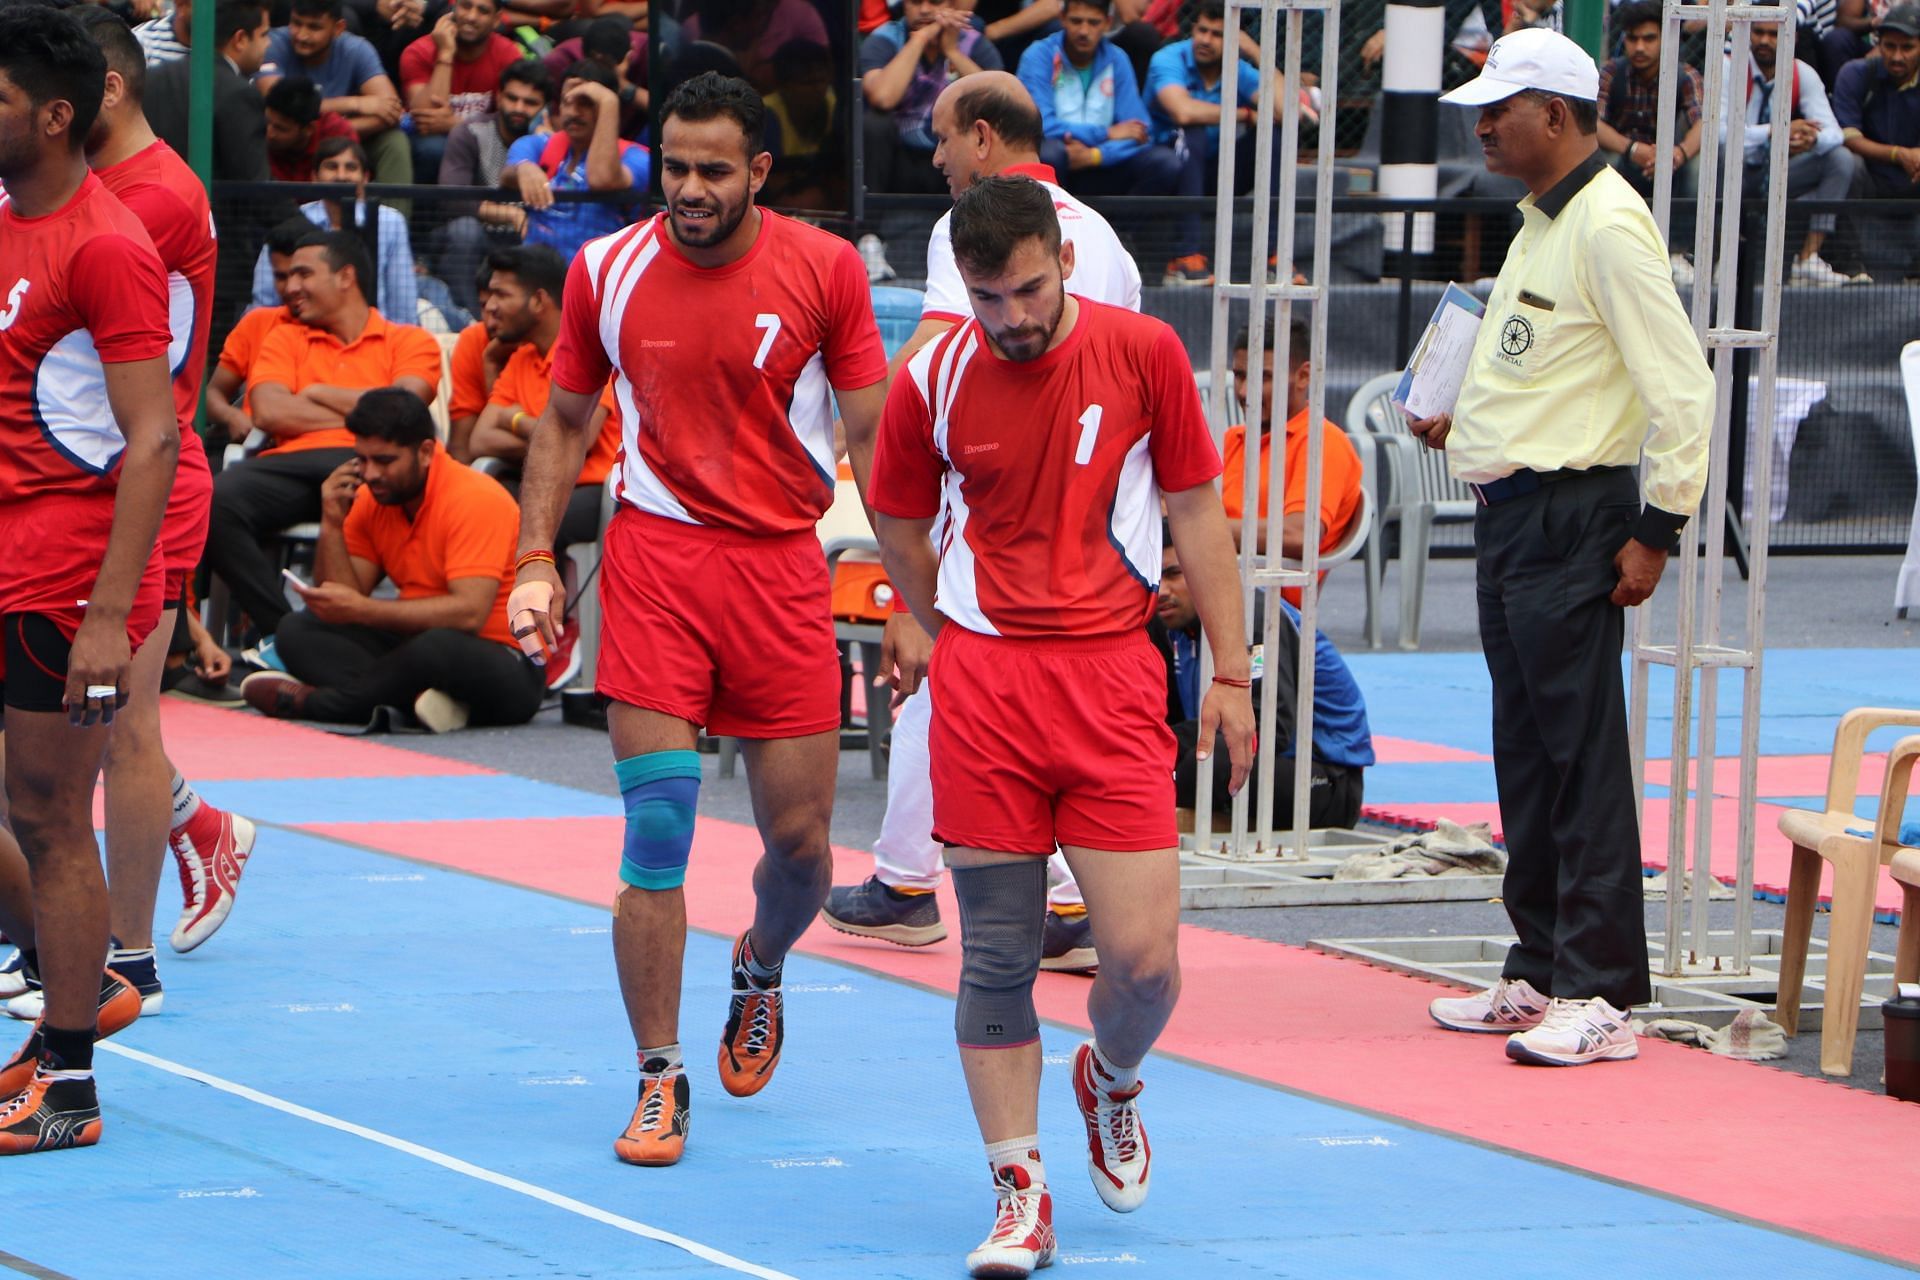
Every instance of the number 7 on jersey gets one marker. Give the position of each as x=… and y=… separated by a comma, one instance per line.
x=771, y=323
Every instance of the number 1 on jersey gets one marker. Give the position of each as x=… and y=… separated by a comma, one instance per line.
x=1089, y=429
x=771, y=323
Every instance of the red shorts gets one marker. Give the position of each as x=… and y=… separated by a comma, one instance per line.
x=183, y=530
x=50, y=552
x=728, y=630
x=1042, y=742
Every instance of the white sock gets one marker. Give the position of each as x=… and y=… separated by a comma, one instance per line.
x=663, y=1061
x=118, y=954
x=186, y=802
x=1117, y=1079
x=1023, y=1153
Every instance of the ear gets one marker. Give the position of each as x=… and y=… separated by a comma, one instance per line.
x=1066, y=259
x=115, y=92
x=59, y=116
x=758, y=169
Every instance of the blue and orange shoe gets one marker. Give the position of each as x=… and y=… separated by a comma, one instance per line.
x=52, y=1113
x=657, y=1134
x=756, y=1028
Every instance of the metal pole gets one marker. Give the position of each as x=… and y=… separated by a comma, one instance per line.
x=200, y=30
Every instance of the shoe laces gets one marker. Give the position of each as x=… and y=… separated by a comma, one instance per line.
x=1562, y=1014
x=1119, y=1129
x=192, y=868
x=20, y=1104
x=758, y=1015
x=1011, y=1221
x=654, y=1104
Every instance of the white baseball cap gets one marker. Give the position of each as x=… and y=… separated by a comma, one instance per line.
x=1531, y=59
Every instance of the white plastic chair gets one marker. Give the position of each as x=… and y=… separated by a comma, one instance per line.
x=1906, y=588
x=1420, y=493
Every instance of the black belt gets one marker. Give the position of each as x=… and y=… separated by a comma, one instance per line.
x=1522, y=483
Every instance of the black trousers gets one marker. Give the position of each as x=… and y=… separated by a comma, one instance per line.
x=1560, y=748
x=355, y=669
x=253, y=501
x=1337, y=790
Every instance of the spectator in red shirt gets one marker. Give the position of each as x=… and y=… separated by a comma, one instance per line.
x=296, y=126
x=449, y=76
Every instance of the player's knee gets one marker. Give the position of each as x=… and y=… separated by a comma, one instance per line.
x=662, y=791
x=1148, y=980
x=44, y=819
x=798, y=841
x=1002, y=910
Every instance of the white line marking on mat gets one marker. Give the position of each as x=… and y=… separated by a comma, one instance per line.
x=454, y=1164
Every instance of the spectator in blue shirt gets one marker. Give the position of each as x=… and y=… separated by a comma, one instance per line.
x=316, y=44
x=1877, y=102
x=1092, y=119
x=903, y=67
x=1184, y=92
x=387, y=241
x=585, y=153
x=1342, y=741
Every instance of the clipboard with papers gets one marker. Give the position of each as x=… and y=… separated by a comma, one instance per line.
x=1431, y=382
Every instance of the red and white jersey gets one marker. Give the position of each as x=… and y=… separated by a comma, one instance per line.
x=1045, y=476
x=79, y=288
x=1102, y=268
x=724, y=376
x=159, y=189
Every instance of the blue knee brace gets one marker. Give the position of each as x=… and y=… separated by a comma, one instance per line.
x=661, y=790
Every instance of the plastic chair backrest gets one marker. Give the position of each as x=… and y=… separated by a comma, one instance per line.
x=1372, y=409
x=898, y=312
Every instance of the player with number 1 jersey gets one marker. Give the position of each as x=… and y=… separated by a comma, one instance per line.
x=728, y=332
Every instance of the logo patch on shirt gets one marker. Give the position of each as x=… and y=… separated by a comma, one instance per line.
x=1516, y=338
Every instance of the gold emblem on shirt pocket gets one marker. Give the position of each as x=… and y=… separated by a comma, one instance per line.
x=1523, y=332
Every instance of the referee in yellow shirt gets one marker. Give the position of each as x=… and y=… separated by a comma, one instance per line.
x=1585, y=360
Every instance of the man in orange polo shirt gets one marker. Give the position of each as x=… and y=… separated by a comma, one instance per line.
x=401, y=508
x=1340, y=465
x=305, y=381
x=227, y=406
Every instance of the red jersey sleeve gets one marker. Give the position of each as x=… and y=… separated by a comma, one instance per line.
x=120, y=292
x=1182, y=447
x=855, y=356
x=907, y=469
x=580, y=361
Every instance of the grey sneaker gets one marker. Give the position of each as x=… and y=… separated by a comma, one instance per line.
x=1067, y=945
x=871, y=909
x=1509, y=1005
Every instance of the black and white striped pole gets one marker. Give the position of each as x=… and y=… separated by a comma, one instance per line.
x=1410, y=115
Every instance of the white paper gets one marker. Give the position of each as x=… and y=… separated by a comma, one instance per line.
x=1431, y=382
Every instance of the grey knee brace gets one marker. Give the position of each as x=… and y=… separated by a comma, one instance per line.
x=1003, y=912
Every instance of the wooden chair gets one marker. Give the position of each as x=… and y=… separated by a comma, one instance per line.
x=1826, y=837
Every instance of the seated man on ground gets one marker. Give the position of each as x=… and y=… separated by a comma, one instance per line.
x=903, y=67
x=296, y=126
x=1630, y=119
x=1818, y=163
x=1091, y=112
x=380, y=228
x=585, y=152
x=316, y=44
x=400, y=508
x=449, y=77
x=1877, y=102
x=1342, y=744
x=308, y=377
x=227, y=404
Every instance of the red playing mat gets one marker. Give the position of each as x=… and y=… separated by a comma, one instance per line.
x=1387, y=750
x=213, y=744
x=1776, y=775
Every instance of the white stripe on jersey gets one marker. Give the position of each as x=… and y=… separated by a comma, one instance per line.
x=810, y=415
x=180, y=321
x=966, y=347
x=954, y=593
x=1134, y=525
x=70, y=399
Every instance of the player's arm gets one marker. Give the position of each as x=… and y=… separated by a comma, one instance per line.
x=556, y=451
x=906, y=548
x=1200, y=535
x=223, y=390
x=860, y=411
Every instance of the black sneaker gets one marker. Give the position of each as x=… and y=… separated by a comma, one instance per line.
x=51, y=1113
x=871, y=909
x=1067, y=944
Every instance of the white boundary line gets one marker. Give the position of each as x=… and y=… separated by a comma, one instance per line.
x=456, y=1165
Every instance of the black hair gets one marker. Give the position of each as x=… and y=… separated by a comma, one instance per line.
x=710, y=95
x=297, y=98
x=124, y=55
x=48, y=55
x=535, y=266
x=330, y=9
x=1010, y=115
x=286, y=236
x=343, y=249
x=1584, y=114
x=230, y=17
x=1104, y=6
x=594, y=72
x=391, y=414
x=794, y=58
x=1299, y=340
x=997, y=215
x=608, y=37
x=332, y=147
x=1635, y=13
x=529, y=72
x=1215, y=10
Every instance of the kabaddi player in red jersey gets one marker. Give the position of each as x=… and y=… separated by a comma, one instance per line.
x=1034, y=443
x=728, y=330
x=88, y=441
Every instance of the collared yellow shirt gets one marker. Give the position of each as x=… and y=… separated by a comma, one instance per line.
x=1585, y=354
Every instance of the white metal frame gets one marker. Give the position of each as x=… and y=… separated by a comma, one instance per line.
x=1698, y=646
x=1257, y=573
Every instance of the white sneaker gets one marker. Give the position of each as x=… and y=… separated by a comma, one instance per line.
x=14, y=976
x=873, y=252
x=439, y=712
x=1814, y=271
x=1576, y=1032
x=1507, y=1006
x=28, y=1006
x=1682, y=271
x=1119, y=1159
x=1022, y=1238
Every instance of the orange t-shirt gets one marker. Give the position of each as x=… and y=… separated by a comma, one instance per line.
x=467, y=527
x=243, y=341
x=467, y=373
x=527, y=381
x=1339, y=476
x=298, y=356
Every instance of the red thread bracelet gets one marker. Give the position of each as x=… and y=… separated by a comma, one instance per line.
x=1231, y=683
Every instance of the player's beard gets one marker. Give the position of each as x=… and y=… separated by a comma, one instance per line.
x=1030, y=342
x=715, y=230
